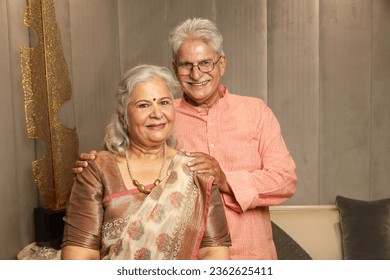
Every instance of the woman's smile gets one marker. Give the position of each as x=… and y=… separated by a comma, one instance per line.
x=156, y=126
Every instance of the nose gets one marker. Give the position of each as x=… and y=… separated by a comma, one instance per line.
x=156, y=112
x=196, y=74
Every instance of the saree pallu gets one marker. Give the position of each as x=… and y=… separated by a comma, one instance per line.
x=180, y=215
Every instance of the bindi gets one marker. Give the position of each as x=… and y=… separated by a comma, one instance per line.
x=154, y=99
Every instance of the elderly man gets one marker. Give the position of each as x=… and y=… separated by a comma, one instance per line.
x=235, y=138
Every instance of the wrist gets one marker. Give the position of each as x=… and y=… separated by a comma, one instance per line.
x=225, y=188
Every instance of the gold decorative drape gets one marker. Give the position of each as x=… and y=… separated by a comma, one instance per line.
x=46, y=87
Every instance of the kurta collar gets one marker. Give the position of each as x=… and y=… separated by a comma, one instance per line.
x=220, y=103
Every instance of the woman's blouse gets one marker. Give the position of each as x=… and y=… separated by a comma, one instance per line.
x=182, y=214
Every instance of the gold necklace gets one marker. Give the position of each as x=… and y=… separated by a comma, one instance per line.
x=140, y=186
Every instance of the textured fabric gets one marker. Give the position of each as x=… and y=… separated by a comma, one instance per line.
x=365, y=228
x=244, y=136
x=178, y=217
x=286, y=247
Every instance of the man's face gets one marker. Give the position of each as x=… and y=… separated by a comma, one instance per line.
x=201, y=88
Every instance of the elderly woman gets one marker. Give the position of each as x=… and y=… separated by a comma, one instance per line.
x=138, y=199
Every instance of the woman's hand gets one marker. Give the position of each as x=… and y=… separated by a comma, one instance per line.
x=214, y=253
x=79, y=253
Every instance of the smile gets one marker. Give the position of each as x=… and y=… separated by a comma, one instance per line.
x=156, y=126
x=198, y=84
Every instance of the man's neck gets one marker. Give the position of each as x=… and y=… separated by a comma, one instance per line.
x=203, y=107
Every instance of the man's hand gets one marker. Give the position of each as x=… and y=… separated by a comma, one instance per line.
x=82, y=163
x=204, y=163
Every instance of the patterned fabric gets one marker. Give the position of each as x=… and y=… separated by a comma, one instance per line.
x=244, y=136
x=178, y=217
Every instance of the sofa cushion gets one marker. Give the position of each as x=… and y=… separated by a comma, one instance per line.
x=286, y=247
x=365, y=228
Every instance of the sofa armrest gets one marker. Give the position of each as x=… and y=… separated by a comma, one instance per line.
x=316, y=228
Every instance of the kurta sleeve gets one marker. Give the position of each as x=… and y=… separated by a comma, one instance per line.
x=217, y=230
x=84, y=213
x=274, y=180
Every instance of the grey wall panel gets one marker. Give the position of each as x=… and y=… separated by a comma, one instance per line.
x=380, y=122
x=95, y=65
x=142, y=33
x=178, y=11
x=243, y=25
x=345, y=85
x=293, y=92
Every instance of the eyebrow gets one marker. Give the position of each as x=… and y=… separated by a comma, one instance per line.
x=185, y=62
x=147, y=100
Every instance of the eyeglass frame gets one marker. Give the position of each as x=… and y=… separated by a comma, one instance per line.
x=197, y=65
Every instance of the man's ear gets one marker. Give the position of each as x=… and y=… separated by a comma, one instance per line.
x=222, y=65
x=174, y=67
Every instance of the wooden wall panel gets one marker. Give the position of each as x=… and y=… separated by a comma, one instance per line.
x=380, y=122
x=95, y=65
x=345, y=90
x=293, y=91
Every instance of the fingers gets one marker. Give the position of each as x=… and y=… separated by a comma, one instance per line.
x=203, y=163
x=90, y=156
x=196, y=154
x=201, y=167
x=81, y=163
x=77, y=170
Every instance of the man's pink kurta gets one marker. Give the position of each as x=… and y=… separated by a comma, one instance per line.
x=243, y=134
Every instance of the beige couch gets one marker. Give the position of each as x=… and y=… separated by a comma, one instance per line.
x=315, y=228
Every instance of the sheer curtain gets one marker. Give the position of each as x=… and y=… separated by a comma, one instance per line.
x=18, y=194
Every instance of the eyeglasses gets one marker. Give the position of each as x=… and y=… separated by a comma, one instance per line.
x=205, y=66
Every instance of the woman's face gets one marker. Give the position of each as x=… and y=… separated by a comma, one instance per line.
x=151, y=113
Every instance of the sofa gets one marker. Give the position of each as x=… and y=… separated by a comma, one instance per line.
x=349, y=229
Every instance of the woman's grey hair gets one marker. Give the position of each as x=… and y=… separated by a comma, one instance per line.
x=196, y=28
x=117, y=138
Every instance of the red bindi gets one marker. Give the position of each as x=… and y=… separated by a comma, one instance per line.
x=154, y=99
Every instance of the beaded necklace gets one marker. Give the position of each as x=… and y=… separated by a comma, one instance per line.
x=140, y=186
